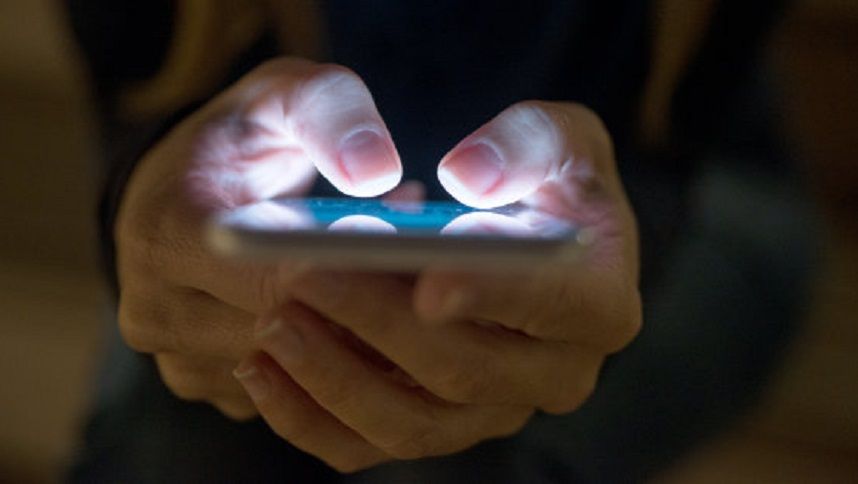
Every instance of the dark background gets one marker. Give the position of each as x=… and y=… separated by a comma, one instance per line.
x=52, y=303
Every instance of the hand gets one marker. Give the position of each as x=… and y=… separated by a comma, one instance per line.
x=267, y=135
x=453, y=357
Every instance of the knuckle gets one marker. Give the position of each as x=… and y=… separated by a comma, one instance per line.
x=307, y=82
x=325, y=76
x=564, y=119
x=184, y=385
x=606, y=328
x=154, y=320
x=627, y=321
x=574, y=396
x=514, y=421
x=532, y=108
x=138, y=337
x=328, y=79
x=577, y=114
x=537, y=117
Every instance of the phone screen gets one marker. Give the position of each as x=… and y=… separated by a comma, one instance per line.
x=373, y=218
x=387, y=235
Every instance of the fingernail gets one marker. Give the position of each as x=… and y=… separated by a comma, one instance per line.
x=476, y=169
x=253, y=380
x=369, y=162
x=282, y=339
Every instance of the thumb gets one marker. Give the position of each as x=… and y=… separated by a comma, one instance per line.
x=514, y=154
x=326, y=112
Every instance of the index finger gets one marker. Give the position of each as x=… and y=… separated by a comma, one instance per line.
x=326, y=111
x=599, y=311
x=256, y=140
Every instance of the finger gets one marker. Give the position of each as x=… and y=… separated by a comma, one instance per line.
x=240, y=409
x=599, y=310
x=198, y=378
x=328, y=113
x=459, y=362
x=399, y=420
x=172, y=252
x=184, y=321
x=258, y=139
x=250, y=286
x=529, y=143
x=298, y=419
x=207, y=380
x=558, y=158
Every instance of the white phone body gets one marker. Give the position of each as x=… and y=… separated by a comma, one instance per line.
x=400, y=236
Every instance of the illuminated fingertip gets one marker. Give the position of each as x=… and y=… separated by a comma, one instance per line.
x=472, y=174
x=457, y=190
x=372, y=187
x=369, y=163
x=461, y=193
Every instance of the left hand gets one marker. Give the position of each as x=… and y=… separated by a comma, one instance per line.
x=367, y=367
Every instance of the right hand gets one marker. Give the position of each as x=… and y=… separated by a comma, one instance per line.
x=267, y=135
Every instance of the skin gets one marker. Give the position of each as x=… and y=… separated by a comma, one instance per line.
x=450, y=358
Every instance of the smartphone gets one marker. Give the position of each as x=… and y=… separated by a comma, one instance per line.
x=378, y=234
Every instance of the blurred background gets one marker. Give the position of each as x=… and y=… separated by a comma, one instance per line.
x=53, y=302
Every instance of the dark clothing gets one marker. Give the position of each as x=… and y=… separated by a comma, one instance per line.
x=437, y=71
